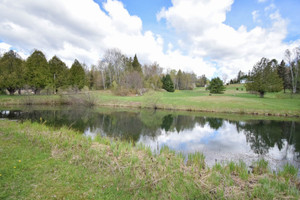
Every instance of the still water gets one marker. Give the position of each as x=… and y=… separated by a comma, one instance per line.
x=219, y=139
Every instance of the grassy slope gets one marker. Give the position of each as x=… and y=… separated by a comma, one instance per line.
x=232, y=101
x=38, y=162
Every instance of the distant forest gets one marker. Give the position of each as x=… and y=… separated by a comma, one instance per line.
x=125, y=75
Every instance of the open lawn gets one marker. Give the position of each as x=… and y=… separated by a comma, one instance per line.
x=38, y=162
x=232, y=101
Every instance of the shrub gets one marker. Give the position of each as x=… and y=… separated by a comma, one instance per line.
x=216, y=86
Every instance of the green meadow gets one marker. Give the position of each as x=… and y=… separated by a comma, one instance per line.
x=234, y=100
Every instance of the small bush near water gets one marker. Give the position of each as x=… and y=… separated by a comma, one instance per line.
x=38, y=162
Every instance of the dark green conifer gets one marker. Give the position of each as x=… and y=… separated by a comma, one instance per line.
x=167, y=83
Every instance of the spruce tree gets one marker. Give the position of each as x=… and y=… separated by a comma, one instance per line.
x=37, y=71
x=180, y=80
x=136, y=65
x=77, y=76
x=168, y=83
x=283, y=74
x=11, y=72
x=264, y=78
x=59, y=72
x=216, y=86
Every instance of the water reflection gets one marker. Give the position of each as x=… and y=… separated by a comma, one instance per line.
x=219, y=139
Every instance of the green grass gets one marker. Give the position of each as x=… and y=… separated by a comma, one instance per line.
x=38, y=162
x=232, y=101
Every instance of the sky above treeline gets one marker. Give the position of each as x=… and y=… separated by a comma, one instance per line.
x=211, y=37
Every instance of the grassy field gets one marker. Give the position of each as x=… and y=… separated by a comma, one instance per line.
x=38, y=162
x=232, y=101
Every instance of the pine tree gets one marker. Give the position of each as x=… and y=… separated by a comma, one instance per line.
x=180, y=80
x=77, y=76
x=167, y=83
x=37, y=71
x=59, y=72
x=283, y=74
x=11, y=72
x=264, y=78
x=216, y=86
x=136, y=65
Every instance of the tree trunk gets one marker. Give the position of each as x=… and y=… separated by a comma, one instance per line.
x=37, y=91
x=261, y=94
x=103, y=80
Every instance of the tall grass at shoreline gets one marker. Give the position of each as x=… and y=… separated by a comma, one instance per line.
x=38, y=162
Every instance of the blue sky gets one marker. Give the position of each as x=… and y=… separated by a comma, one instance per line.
x=211, y=37
x=241, y=15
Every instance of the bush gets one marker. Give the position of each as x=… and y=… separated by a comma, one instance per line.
x=2, y=92
x=216, y=86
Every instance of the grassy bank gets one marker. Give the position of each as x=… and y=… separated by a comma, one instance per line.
x=232, y=101
x=38, y=162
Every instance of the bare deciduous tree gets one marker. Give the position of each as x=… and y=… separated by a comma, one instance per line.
x=292, y=60
x=113, y=66
x=224, y=78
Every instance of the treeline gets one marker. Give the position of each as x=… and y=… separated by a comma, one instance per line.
x=272, y=76
x=36, y=73
x=114, y=71
x=241, y=76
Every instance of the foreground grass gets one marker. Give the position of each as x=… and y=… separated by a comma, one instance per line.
x=232, y=101
x=38, y=162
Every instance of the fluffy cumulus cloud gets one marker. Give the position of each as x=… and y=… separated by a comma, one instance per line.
x=201, y=24
x=4, y=47
x=83, y=30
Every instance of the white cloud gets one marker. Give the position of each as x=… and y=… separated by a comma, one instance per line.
x=201, y=25
x=255, y=16
x=81, y=29
x=4, y=47
x=270, y=7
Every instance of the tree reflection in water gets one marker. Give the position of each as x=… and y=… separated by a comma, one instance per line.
x=261, y=135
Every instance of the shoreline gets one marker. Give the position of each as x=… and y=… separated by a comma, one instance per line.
x=162, y=108
x=200, y=110
x=192, y=101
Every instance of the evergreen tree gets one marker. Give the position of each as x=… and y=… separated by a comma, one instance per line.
x=90, y=77
x=77, y=76
x=283, y=74
x=239, y=76
x=37, y=71
x=167, y=83
x=128, y=63
x=264, y=78
x=11, y=72
x=180, y=80
x=136, y=65
x=216, y=86
x=275, y=83
x=59, y=72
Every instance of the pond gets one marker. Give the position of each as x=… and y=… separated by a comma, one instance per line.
x=220, y=139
